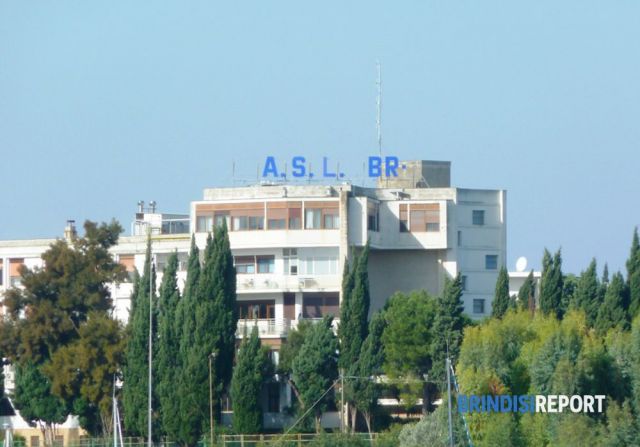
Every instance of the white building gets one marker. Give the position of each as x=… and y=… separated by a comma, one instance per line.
x=290, y=241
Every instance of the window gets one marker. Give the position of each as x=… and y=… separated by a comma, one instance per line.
x=478, y=217
x=373, y=216
x=424, y=217
x=273, y=397
x=491, y=262
x=404, y=221
x=204, y=224
x=245, y=264
x=35, y=441
x=58, y=441
x=266, y=264
x=320, y=265
x=459, y=238
x=290, y=257
x=247, y=219
x=318, y=305
x=295, y=218
x=251, y=310
x=321, y=215
x=15, y=280
x=220, y=217
x=463, y=282
x=478, y=305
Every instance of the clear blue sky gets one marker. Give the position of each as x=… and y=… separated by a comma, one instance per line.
x=106, y=103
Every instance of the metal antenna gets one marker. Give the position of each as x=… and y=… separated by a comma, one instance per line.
x=379, y=109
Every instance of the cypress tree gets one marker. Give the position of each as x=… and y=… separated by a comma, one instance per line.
x=551, y=284
x=501, y=298
x=167, y=364
x=345, y=310
x=365, y=389
x=527, y=293
x=190, y=415
x=588, y=292
x=612, y=312
x=136, y=379
x=315, y=367
x=246, y=384
x=448, y=325
x=633, y=275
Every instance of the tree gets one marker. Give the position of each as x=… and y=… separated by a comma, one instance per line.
x=354, y=319
x=612, y=312
x=501, y=297
x=408, y=340
x=527, y=294
x=190, y=416
x=290, y=350
x=449, y=324
x=36, y=402
x=51, y=315
x=248, y=375
x=168, y=361
x=369, y=365
x=135, y=398
x=633, y=275
x=551, y=284
x=84, y=371
x=587, y=296
x=315, y=367
x=214, y=330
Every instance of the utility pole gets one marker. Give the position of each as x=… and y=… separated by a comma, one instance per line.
x=342, y=425
x=212, y=357
x=149, y=424
x=448, y=365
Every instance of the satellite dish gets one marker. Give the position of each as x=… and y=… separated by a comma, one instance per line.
x=521, y=264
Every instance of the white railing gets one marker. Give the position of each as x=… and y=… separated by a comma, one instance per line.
x=266, y=326
x=257, y=282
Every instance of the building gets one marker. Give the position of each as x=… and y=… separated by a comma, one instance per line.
x=290, y=242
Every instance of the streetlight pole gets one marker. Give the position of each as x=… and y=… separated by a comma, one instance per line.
x=212, y=357
x=150, y=406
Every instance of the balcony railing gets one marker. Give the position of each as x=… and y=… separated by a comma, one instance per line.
x=275, y=327
x=247, y=283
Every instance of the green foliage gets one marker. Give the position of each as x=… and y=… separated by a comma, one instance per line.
x=501, y=298
x=408, y=342
x=633, y=275
x=291, y=347
x=167, y=364
x=248, y=375
x=338, y=440
x=369, y=365
x=588, y=293
x=551, y=285
x=33, y=396
x=136, y=370
x=59, y=332
x=448, y=326
x=612, y=312
x=315, y=367
x=433, y=430
x=527, y=294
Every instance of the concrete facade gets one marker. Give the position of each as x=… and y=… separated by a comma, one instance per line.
x=290, y=243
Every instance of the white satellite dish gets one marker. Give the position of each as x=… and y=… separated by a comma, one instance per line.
x=521, y=264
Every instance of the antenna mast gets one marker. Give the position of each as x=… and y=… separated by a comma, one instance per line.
x=379, y=109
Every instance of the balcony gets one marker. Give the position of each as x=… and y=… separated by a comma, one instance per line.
x=269, y=283
x=267, y=327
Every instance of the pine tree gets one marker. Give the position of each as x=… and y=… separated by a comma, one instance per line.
x=167, y=363
x=551, y=284
x=587, y=296
x=501, y=298
x=136, y=370
x=527, y=294
x=248, y=376
x=612, y=312
x=633, y=275
x=52, y=316
x=315, y=367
